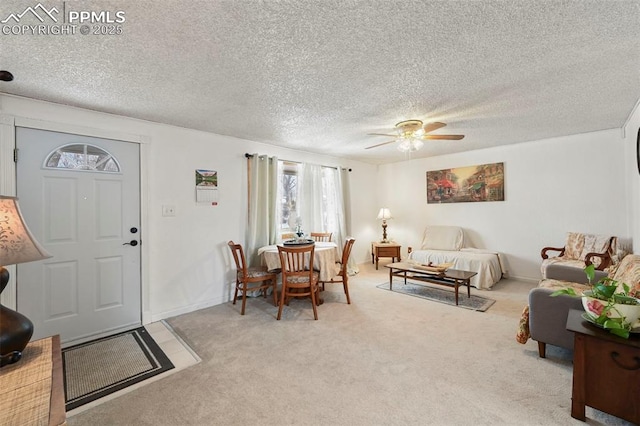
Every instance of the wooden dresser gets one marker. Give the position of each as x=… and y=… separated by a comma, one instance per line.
x=32, y=391
x=606, y=371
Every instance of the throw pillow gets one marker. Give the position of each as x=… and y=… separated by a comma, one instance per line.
x=442, y=238
x=595, y=244
x=574, y=245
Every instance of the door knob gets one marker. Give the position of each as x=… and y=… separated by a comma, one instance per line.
x=131, y=243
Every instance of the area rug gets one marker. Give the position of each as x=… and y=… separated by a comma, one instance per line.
x=442, y=295
x=98, y=368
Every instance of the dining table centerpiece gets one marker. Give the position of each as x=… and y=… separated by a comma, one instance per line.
x=298, y=228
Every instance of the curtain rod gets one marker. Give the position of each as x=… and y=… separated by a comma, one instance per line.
x=247, y=155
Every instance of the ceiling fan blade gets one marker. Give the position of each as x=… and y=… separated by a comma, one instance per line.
x=430, y=127
x=444, y=137
x=381, y=134
x=380, y=144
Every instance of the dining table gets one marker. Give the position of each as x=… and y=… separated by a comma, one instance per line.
x=325, y=258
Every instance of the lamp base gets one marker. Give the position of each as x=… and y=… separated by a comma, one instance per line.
x=384, y=232
x=10, y=358
x=15, y=329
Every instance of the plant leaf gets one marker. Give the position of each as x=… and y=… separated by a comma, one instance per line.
x=606, y=291
x=591, y=272
x=568, y=291
x=621, y=332
x=614, y=324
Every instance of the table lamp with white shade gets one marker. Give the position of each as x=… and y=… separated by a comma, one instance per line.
x=384, y=214
x=17, y=245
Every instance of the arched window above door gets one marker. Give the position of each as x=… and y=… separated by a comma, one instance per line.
x=82, y=157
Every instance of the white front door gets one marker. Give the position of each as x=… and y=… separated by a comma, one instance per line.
x=83, y=206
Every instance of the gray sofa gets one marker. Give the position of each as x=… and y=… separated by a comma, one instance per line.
x=548, y=315
x=544, y=319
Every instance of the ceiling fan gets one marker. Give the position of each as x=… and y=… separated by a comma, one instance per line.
x=411, y=133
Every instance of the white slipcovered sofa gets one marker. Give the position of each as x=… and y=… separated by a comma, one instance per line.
x=445, y=244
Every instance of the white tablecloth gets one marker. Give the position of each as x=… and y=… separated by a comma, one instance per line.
x=324, y=259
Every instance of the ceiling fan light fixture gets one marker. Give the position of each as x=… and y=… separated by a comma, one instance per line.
x=409, y=145
x=404, y=145
x=411, y=133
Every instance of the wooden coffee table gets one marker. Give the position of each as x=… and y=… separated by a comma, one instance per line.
x=450, y=278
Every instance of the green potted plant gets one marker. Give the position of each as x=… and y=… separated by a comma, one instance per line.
x=608, y=304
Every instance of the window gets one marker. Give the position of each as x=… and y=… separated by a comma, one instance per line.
x=288, y=195
x=82, y=157
x=318, y=208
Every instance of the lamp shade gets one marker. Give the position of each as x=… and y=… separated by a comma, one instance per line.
x=384, y=214
x=17, y=244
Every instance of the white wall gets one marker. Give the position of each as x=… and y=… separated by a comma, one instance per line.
x=573, y=183
x=187, y=259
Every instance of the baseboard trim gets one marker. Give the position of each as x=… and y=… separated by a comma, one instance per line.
x=519, y=278
x=186, y=309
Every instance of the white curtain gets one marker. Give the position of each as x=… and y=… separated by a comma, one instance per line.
x=343, y=210
x=311, y=208
x=262, y=227
x=324, y=200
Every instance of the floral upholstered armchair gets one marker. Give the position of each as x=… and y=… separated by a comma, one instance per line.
x=581, y=250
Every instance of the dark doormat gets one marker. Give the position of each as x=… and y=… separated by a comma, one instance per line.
x=98, y=368
x=442, y=295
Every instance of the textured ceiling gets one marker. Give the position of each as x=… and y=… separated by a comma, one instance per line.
x=319, y=75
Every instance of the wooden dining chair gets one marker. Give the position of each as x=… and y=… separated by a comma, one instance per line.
x=343, y=276
x=298, y=277
x=321, y=236
x=246, y=277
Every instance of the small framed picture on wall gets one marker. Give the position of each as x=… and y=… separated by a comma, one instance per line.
x=207, y=186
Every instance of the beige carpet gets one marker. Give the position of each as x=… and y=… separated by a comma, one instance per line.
x=387, y=359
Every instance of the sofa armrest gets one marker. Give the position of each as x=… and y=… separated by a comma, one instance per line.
x=544, y=251
x=548, y=317
x=604, y=262
x=558, y=271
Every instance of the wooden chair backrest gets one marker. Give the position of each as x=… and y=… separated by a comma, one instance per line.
x=238, y=256
x=321, y=236
x=296, y=262
x=346, y=252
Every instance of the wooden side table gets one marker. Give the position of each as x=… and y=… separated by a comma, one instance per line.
x=33, y=388
x=606, y=371
x=379, y=250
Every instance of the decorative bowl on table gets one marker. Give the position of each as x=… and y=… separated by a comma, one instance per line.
x=627, y=308
x=439, y=269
